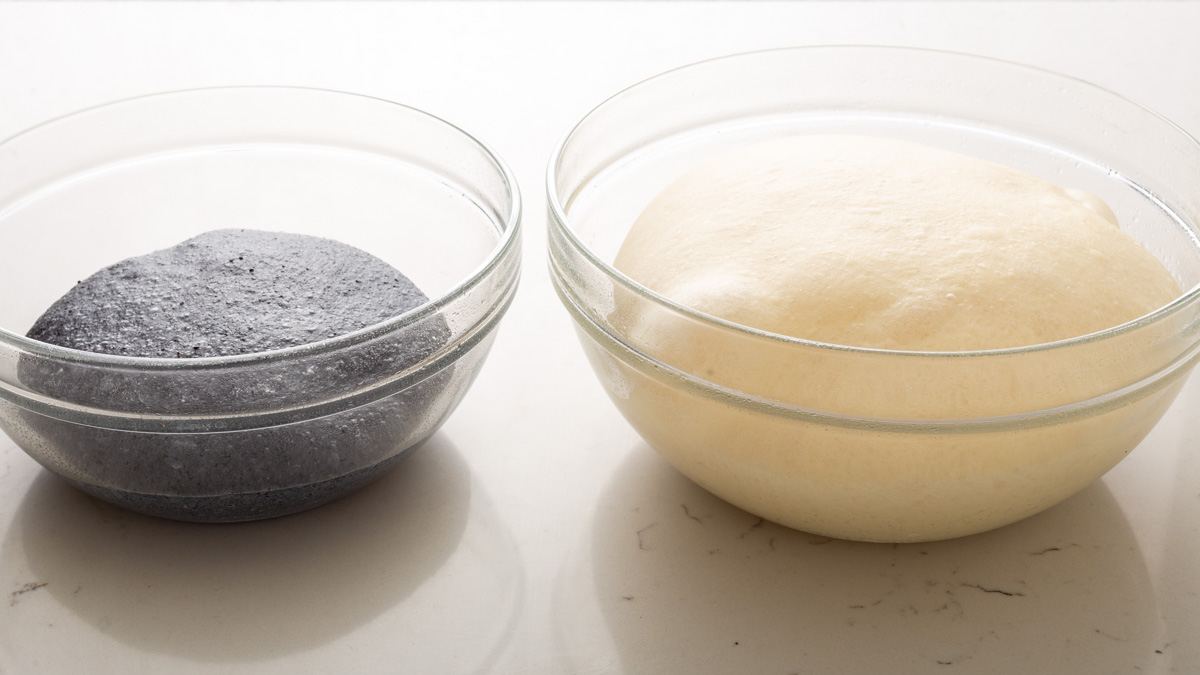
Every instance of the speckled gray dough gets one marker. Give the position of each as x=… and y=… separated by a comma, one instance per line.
x=224, y=293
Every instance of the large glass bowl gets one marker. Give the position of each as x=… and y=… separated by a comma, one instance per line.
x=873, y=444
x=263, y=434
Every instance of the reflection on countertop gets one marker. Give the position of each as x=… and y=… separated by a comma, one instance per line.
x=684, y=582
x=1175, y=577
x=244, y=594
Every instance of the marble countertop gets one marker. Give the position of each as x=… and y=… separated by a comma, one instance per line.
x=536, y=533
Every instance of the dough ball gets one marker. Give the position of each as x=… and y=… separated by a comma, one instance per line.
x=228, y=292
x=872, y=242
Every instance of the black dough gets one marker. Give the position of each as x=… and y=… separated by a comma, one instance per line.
x=223, y=293
x=228, y=292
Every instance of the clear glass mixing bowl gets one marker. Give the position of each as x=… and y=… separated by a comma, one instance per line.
x=263, y=434
x=860, y=443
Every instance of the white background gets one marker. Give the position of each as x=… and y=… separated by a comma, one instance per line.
x=536, y=533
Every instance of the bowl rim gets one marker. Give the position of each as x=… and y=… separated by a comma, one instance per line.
x=560, y=223
x=503, y=248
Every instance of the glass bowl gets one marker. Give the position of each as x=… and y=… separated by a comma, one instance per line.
x=872, y=444
x=264, y=434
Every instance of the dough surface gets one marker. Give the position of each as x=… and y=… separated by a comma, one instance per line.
x=872, y=242
x=228, y=292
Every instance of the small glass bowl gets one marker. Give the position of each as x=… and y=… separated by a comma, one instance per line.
x=264, y=434
x=872, y=444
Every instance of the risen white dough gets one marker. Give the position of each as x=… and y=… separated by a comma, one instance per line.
x=879, y=243
x=872, y=242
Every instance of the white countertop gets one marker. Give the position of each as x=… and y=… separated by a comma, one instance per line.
x=536, y=533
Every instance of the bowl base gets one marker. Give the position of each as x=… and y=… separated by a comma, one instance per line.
x=245, y=506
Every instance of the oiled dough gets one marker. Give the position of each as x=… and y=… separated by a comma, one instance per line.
x=874, y=242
